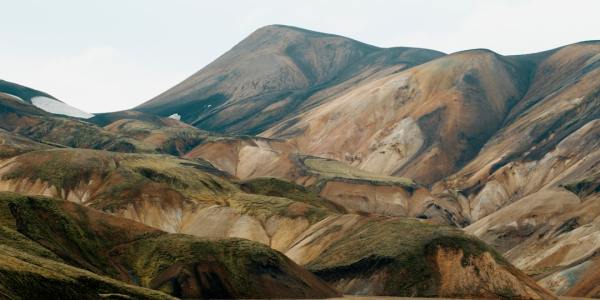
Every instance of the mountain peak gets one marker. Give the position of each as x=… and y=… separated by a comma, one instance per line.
x=283, y=64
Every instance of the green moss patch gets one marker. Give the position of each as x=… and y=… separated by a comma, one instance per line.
x=281, y=188
x=25, y=276
x=398, y=247
x=331, y=169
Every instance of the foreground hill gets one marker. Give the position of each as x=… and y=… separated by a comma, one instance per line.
x=274, y=73
x=180, y=265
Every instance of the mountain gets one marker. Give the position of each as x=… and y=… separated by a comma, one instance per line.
x=478, y=133
x=304, y=164
x=274, y=73
x=40, y=100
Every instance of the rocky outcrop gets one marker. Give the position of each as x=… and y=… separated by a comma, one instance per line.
x=392, y=256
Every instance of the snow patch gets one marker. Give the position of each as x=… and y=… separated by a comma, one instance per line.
x=175, y=116
x=56, y=107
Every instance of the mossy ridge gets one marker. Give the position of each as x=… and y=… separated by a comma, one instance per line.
x=264, y=207
x=12, y=145
x=26, y=276
x=270, y=186
x=21, y=243
x=128, y=185
x=131, y=251
x=399, y=247
x=379, y=237
x=65, y=169
x=174, y=139
x=79, y=134
x=7, y=151
x=6, y=217
x=38, y=125
x=180, y=174
x=122, y=179
x=150, y=257
x=41, y=220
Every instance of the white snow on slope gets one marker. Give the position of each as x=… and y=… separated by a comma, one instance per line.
x=175, y=116
x=11, y=96
x=56, y=107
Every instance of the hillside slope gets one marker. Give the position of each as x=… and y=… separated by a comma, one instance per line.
x=180, y=265
x=423, y=123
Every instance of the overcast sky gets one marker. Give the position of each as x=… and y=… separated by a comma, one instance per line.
x=114, y=54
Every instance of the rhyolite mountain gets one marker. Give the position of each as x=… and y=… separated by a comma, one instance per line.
x=328, y=166
x=275, y=73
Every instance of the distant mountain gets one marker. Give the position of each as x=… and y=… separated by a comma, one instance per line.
x=275, y=73
x=40, y=100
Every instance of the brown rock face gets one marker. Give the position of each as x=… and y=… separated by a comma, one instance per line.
x=422, y=123
x=481, y=276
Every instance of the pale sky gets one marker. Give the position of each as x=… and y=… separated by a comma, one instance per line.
x=115, y=54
